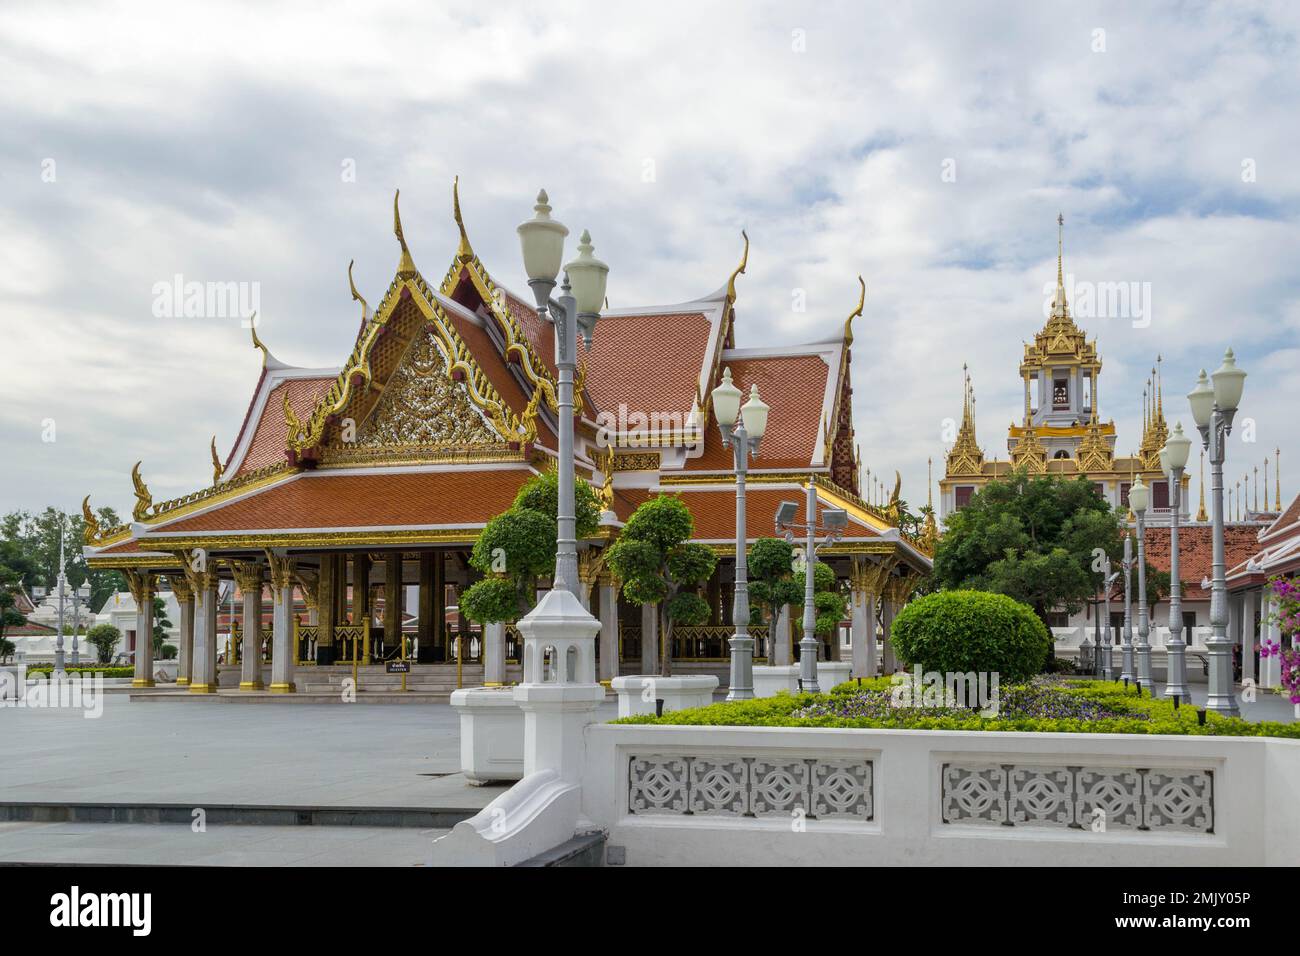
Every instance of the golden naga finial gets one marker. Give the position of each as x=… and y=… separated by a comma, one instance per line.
x=218, y=469
x=91, y=532
x=357, y=296
x=848, y=323
x=744, y=261
x=463, y=251
x=257, y=343
x=405, y=265
x=895, y=507
x=607, y=483
x=143, y=500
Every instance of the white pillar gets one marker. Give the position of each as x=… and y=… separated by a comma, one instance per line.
x=250, y=649
x=864, y=623
x=1255, y=609
x=143, y=587
x=204, y=679
x=608, y=630
x=650, y=639
x=1270, y=668
x=779, y=639
x=284, y=652
x=494, y=654
x=557, y=710
x=888, y=622
x=185, y=655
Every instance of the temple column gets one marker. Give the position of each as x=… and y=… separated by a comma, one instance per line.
x=780, y=638
x=203, y=679
x=608, y=628
x=887, y=622
x=341, y=589
x=185, y=601
x=141, y=584
x=649, y=638
x=1254, y=618
x=326, y=605
x=425, y=632
x=863, y=617
x=248, y=575
x=393, y=600
x=283, y=653
x=361, y=599
x=494, y=654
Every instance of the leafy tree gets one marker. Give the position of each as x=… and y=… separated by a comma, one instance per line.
x=6, y=650
x=772, y=583
x=104, y=638
x=37, y=537
x=829, y=601
x=14, y=565
x=160, y=625
x=658, y=564
x=1032, y=538
x=517, y=547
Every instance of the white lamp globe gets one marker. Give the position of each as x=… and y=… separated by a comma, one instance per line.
x=755, y=412
x=726, y=400
x=1178, y=446
x=587, y=276
x=1229, y=381
x=542, y=241
x=1201, y=399
x=1139, y=496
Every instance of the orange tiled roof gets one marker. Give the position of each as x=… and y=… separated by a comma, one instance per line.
x=270, y=434
x=714, y=511
x=794, y=385
x=352, y=500
x=1195, y=552
x=1285, y=520
x=651, y=363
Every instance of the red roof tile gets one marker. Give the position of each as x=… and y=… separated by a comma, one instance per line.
x=1195, y=552
x=271, y=435
x=650, y=363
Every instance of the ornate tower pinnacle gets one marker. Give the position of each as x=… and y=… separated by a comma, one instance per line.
x=1060, y=308
x=1201, y=514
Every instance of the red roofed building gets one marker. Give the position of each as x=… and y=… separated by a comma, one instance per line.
x=359, y=490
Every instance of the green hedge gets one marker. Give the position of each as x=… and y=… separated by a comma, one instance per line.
x=1150, y=716
x=43, y=671
x=962, y=631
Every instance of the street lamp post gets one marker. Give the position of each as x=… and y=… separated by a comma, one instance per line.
x=742, y=430
x=1139, y=496
x=1173, y=459
x=1213, y=408
x=834, y=521
x=582, y=294
x=59, y=657
x=80, y=596
x=1106, y=665
x=1126, y=651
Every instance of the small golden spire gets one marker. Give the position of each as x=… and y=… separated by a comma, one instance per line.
x=744, y=261
x=1201, y=514
x=1277, y=476
x=357, y=297
x=929, y=482
x=464, y=253
x=257, y=343
x=217, y=468
x=1266, y=482
x=1060, y=308
x=848, y=323
x=405, y=265
x=1256, y=468
x=143, y=500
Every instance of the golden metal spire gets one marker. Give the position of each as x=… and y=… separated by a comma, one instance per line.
x=217, y=468
x=1060, y=308
x=1266, y=482
x=357, y=297
x=1257, y=488
x=1277, y=476
x=405, y=265
x=848, y=323
x=744, y=261
x=1201, y=514
x=464, y=253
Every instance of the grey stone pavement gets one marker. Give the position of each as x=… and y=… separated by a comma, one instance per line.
x=203, y=752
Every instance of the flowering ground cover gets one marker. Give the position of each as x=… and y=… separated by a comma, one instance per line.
x=1044, y=704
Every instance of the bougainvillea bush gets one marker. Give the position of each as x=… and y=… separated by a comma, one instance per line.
x=1286, y=592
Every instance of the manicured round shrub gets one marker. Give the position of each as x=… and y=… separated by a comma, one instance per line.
x=961, y=631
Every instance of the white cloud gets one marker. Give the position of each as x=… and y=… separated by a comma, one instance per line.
x=210, y=144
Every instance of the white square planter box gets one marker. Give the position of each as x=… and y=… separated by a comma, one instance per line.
x=832, y=673
x=769, y=680
x=13, y=681
x=637, y=693
x=491, y=734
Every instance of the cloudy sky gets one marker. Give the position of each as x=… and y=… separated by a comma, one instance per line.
x=927, y=146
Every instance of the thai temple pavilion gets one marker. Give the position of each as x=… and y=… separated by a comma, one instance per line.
x=349, y=488
x=1061, y=431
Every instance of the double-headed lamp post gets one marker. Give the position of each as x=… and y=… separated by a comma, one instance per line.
x=582, y=294
x=1126, y=648
x=1105, y=664
x=1139, y=496
x=742, y=431
x=834, y=521
x=1173, y=459
x=1213, y=408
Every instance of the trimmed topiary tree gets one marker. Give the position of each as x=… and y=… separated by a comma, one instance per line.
x=104, y=638
x=962, y=631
